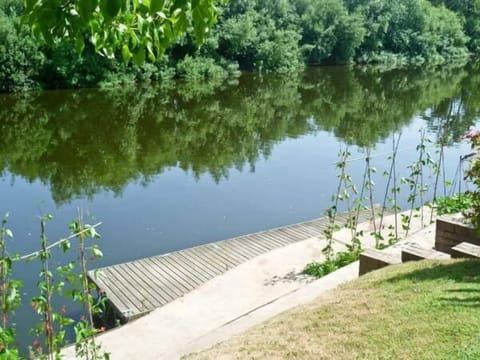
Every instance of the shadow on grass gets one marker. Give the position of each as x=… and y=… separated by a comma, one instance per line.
x=462, y=302
x=465, y=271
x=465, y=274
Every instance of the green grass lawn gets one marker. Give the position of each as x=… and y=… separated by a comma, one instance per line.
x=419, y=310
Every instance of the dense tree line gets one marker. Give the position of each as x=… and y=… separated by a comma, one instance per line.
x=259, y=35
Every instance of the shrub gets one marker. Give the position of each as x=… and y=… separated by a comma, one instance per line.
x=454, y=204
x=413, y=29
x=20, y=55
x=204, y=68
x=329, y=32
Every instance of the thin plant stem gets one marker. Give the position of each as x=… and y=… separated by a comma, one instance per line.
x=370, y=185
x=47, y=292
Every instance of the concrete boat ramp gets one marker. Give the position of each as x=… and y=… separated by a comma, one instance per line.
x=138, y=287
x=245, y=295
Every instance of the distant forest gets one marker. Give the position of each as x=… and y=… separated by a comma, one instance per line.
x=279, y=36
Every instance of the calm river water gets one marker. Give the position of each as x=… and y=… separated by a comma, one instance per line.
x=166, y=168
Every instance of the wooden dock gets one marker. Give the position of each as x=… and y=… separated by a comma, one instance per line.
x=138, y=287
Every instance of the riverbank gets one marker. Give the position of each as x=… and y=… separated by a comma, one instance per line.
x=242, y=297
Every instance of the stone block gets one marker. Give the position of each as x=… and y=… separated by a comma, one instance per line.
x=452, y=230
x=415, y=253
x=372, y=259
x=466, y=250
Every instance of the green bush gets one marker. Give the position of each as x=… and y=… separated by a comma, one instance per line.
x=454, y=204
x=257, y=40
x=329, y=32
x=412, y=31
x=341, y=259
x=11, y=8
x=20, y=56
x=200, y=68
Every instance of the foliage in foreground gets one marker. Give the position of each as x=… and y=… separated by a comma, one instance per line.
x=67, y=280
x=421, y=310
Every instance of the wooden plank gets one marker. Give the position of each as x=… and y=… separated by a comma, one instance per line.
x=119, y=303
x=166, y=294
x=318, y=227
x=278, y=238
x=227, y=257
x=121, y=289
x=302, y=231
x=247, y=254
x=165, y=283
x=285, y=235
x=252, y=251
x=124, y=292
x=252, y=242
x=140, y=285
x=266, y=243
x=191, y=257
x=310, y=230
x=284, y=238
x=183, y=286
x=228, y=252
x=275, y=242
x=214, y=258
x=293, y=235
x=175, y=283
x=187, y=275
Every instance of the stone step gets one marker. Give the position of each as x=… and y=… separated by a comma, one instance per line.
x=413, y=252
x=452, y=230
x=373, y=259
x=465, y=250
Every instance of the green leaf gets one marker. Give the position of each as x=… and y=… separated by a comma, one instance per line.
x=65, y=246
x=139, y=56
x=85, y=8
x=9, y=233
x=156, y=5
x=96, y=252
x=110, y=8
x=181, y=24
x=79, y=44
x=126, y=53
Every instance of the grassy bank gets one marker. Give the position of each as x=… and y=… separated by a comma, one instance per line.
x=422, y=310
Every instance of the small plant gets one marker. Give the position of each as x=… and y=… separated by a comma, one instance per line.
x=85, y=331
x=52, y=326
x=454, y=204
x=391, y=194
x=341, y=259
x=341, y=195
x=9, y=296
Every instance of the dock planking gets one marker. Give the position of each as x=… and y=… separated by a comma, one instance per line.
x=138, y=287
